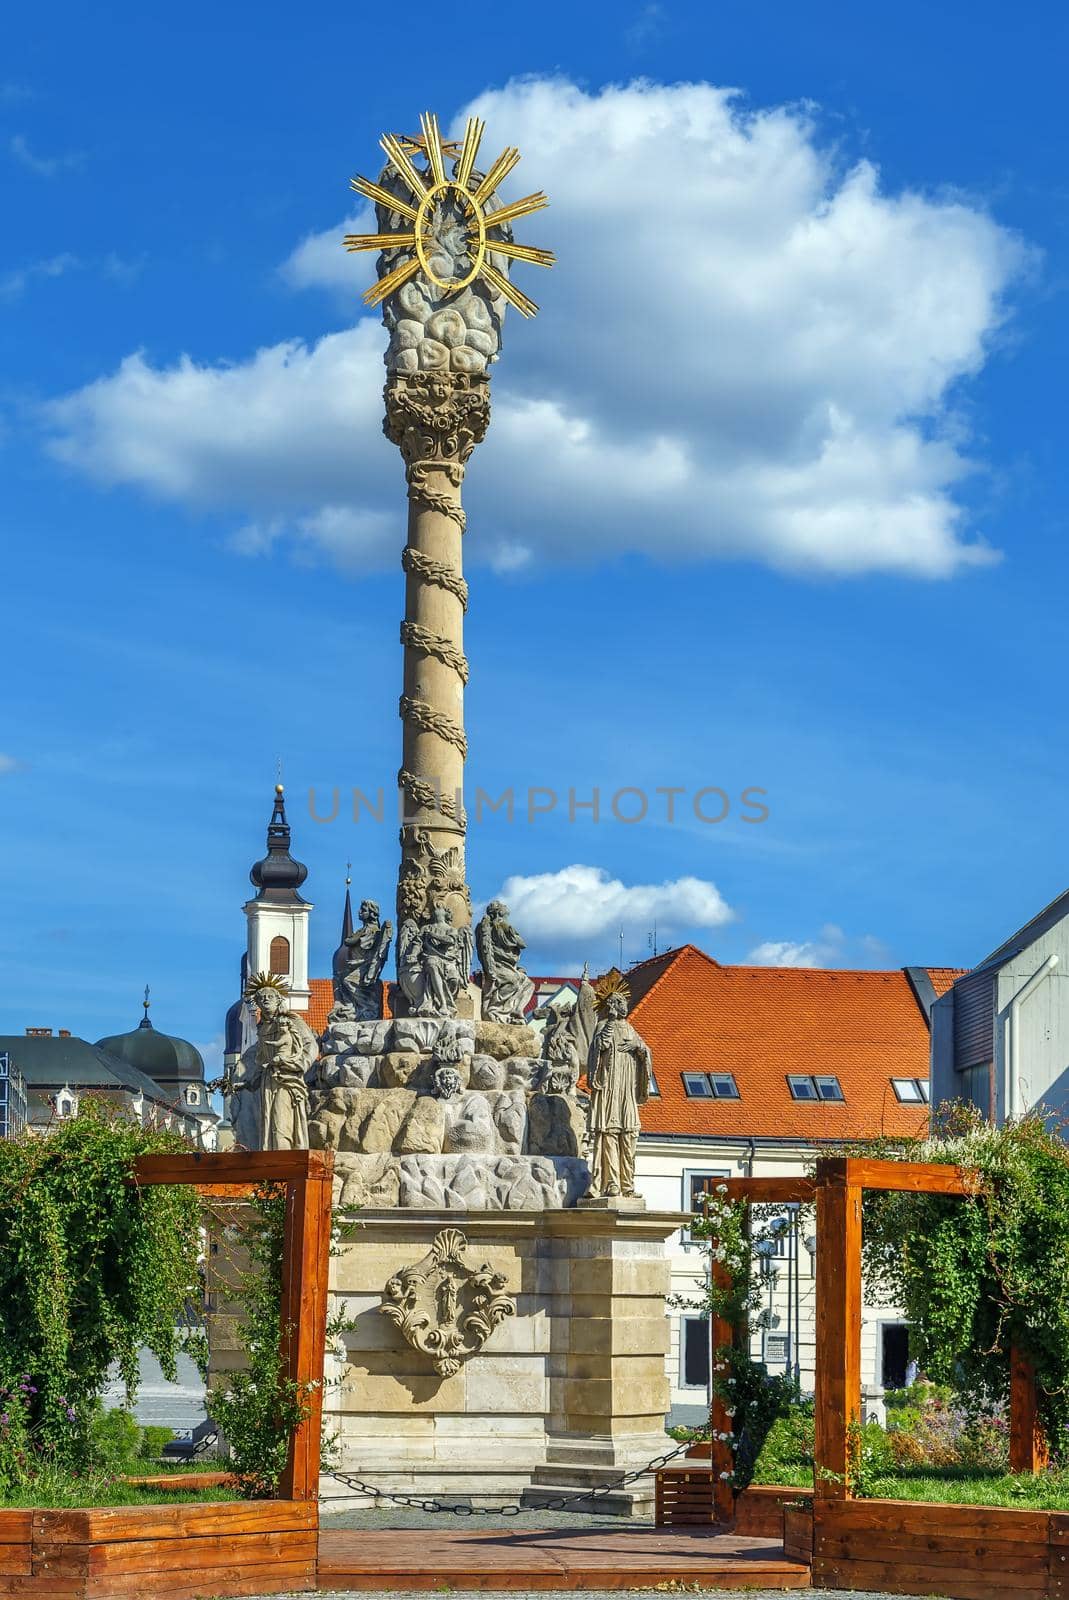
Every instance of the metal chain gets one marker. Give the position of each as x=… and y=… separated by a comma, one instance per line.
x=558, y=1503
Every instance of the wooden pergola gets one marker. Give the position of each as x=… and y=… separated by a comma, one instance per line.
x=307, y=1175
x=837, y=1189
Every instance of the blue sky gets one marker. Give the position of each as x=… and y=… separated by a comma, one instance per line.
x=773, y=495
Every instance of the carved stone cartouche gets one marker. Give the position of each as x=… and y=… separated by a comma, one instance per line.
x=445, y=1308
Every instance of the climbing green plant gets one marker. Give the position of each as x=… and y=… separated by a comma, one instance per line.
x=987, y=1272
x=258, y=1408
x=92, y=1269
x=753, y=1398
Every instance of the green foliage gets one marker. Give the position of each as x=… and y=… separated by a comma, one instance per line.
x=116, y=1439
x=92, y=1269
x=981, y=1274
x=787, y=1453
x=258, y=1408
x=754, y=1399
x=152, y=1441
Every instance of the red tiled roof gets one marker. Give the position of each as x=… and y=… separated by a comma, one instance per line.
x=322, y=999
x=320, y=1003
x=762, y=1023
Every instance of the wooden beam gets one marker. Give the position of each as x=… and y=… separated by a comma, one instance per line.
x=910, y=1177
x=773, y=1191
x=231, y=1168
x=838, y=1327
x=306, y=1267
x=1028, y=1448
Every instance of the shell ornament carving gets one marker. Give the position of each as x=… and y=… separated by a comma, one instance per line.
x=445, y=1308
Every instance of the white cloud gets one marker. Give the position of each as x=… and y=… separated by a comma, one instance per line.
x=43, y=166
x=783, y=953
x=319, y=262
x=8, y=764
x=13, y=283
x=744, y=352
x=833, y=948
x=580, y=902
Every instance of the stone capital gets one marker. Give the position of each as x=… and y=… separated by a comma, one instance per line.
x=437, y=418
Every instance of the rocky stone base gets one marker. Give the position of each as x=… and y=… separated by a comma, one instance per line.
x=460, y=1182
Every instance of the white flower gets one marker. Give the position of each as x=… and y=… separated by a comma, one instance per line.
x=721, y=1188
x=724, y=1476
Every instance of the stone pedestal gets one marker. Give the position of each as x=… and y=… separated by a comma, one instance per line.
x=566, y=1395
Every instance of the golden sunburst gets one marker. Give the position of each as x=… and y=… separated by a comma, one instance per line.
x=265, y=980
x=468, y=192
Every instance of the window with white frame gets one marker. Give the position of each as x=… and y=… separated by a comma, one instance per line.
x=696, y=1182
x=911, y=1091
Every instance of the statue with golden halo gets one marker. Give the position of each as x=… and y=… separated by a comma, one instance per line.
x=286, y=1050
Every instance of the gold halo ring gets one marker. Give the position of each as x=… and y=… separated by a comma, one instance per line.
x=422, y=230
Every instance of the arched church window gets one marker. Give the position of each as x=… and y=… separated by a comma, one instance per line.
x=279, y=959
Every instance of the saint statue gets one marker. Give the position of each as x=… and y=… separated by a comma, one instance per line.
x=560, y=1048
x=618, y=1072
x=433, y=963
x=359, y=962
x=507, y=989
x=286, y=1048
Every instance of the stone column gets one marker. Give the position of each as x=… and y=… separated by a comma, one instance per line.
x=436, y=419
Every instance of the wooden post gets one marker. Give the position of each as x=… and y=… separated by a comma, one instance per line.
x=306, y=1268
x=1028, y=1448
x=838, y=1325
x=721, y=1455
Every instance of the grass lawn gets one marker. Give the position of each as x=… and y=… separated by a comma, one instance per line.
x=84, y=1494
x=960, y=1486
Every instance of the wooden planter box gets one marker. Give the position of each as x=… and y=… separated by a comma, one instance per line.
x=684, y=1497
x=177, y=1552
x=964, y=1552
x=798, y=1533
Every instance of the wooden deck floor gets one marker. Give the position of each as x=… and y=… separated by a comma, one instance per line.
x=556, y=1558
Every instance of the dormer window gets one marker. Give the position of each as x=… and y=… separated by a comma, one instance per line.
x=192, y=1095
x=911, y=1091
x=819, y=1086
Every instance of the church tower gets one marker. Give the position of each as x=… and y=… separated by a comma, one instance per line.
x=277, y=916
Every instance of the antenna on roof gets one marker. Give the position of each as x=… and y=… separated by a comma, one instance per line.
x=621, y=950
x=651, y=937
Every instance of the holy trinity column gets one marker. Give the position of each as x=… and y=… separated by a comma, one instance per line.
x=446, y=245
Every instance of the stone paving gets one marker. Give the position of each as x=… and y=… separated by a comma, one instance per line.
x=405, y=1517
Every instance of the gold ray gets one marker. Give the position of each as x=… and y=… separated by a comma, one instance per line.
x=404, y=166
x=500, y=170
x=472, y=136
x=375, y=191
x=523, y=252
x=377, y=241
x=432, y=143
x=518, y=208
x=393, y=280
x=498, y=281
